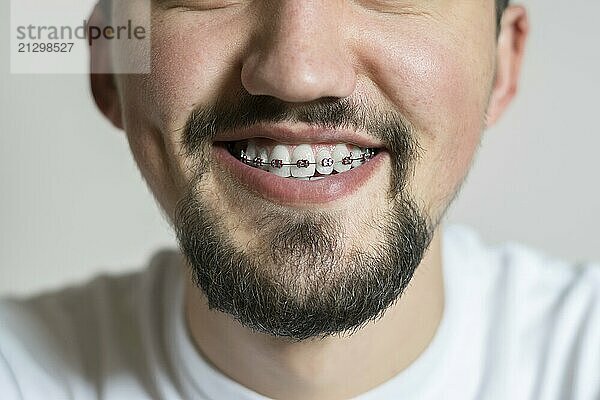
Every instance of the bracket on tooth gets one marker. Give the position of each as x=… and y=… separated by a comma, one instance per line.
x=258, y=161
x=327, y=162
x=302, y=163
x=367, y=155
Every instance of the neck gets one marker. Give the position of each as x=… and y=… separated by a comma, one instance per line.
x=331, y=368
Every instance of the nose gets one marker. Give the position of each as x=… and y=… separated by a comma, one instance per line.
x=300, y=53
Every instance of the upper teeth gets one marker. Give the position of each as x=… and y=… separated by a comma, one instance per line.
x=302, y=161
x=280, y=153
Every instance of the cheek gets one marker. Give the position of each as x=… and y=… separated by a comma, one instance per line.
x=435, y=86
x=192, y=60
x=443, y=91
x=185, y=70
x=447, y=104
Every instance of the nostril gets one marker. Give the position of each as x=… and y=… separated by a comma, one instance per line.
x=298, y=76
x=251, y=76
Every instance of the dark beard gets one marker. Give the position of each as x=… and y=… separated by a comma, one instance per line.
x=302, y=280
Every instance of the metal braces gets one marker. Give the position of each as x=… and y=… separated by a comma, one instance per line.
x=326, y=162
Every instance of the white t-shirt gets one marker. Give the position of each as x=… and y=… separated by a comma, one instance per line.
x=516, y=325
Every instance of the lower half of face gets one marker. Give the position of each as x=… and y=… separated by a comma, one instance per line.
x=300, y=272
x=302, y=239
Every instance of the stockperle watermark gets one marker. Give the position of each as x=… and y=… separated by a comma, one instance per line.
x=51, y=34
x=57, y=36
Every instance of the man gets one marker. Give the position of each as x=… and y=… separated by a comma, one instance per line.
x=305, y=153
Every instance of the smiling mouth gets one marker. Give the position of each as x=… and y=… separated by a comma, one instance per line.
x=300, y=161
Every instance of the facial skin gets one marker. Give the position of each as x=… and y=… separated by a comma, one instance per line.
x=436, y=65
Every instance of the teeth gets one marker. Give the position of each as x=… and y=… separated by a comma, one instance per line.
x=304, y=157
x=301, y=163
x=356, y=153
x=251, y=151
x=281, y=152
x=263, y=155
x=340, y=154
x=324, y=162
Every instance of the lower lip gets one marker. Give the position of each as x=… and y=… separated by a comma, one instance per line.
x=290, y=191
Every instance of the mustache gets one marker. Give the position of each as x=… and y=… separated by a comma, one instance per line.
x=388, y=126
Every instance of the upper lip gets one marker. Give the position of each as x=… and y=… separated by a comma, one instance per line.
x=300, y=135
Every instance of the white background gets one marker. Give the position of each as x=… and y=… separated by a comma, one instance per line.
x=72, y=203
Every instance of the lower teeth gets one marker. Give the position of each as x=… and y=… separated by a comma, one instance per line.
x=351, y=161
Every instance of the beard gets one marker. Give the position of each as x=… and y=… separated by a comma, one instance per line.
x=303, y=277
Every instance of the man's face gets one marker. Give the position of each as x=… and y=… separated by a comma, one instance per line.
x=289, y=80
